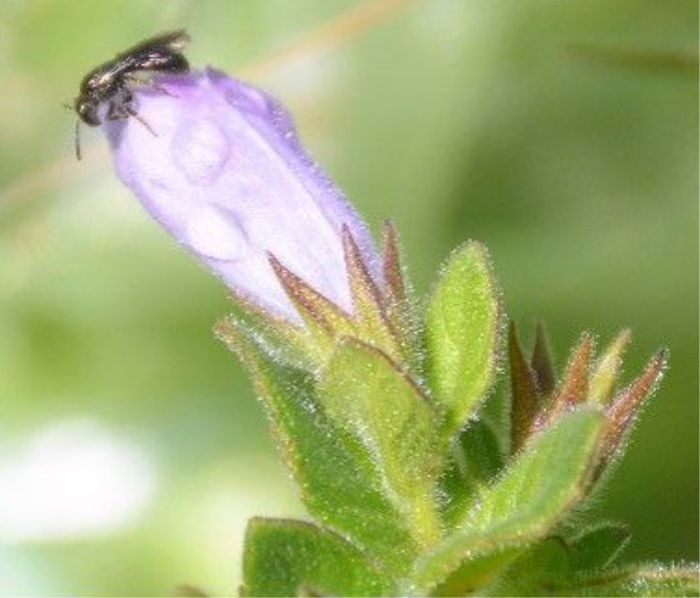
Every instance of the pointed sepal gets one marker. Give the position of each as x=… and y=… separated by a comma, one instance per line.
x=400, y=302
x=573, y=388
x=323, y=319
x=525, y=401
x=371, y=317
x=393, y=271
x=607, y=369
x=541, y=361
x=626, y=405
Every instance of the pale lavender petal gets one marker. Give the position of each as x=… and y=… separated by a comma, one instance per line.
x=226, y=176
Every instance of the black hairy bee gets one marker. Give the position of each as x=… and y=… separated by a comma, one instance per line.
x=109, y=82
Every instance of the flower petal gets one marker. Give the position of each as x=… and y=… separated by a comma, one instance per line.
x=223, y=172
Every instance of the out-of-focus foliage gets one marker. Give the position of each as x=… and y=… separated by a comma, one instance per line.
x=561, y=134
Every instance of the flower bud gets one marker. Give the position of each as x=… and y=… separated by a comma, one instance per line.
x=218, y=164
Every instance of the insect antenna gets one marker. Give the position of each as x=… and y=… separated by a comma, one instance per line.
x=77, y=131
x=77, y=139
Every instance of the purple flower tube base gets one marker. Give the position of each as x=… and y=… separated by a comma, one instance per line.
x=223, y=172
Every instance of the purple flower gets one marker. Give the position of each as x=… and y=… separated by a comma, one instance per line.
x=223, y=172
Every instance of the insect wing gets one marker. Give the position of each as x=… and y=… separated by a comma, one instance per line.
x=171, y=42
x=175, y=41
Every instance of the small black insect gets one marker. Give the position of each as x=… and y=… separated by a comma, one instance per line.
x=110, y=81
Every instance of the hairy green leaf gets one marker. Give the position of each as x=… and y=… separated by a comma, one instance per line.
x=340, y=484
x=553, y=467
x=463, y=334
x=293, y=558
x=521, y=507
x=598, y=546
x=544, y=565
x=635, y=580
x=288, y=342
x=475, y=459
x=367, y=395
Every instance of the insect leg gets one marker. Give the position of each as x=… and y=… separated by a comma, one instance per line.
x=120, y=108
x=135, y=79
x=131, y=112
x=117, y=110
x=163, y=90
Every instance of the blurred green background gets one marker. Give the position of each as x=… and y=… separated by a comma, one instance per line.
x=562, y=134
